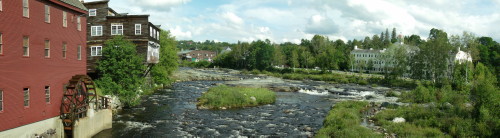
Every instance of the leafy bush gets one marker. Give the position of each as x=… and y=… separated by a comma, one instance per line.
x=344, y=121
x=234, y=97
x=121, y=70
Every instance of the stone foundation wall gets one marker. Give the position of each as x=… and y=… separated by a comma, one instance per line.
x=93, y=124
x=48, y=128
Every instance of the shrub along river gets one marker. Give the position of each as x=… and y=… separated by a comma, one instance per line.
x=173, y=113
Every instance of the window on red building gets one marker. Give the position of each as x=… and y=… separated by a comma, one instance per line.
x=47, y=94
x=1, y=97
x=79, y=52
x=78, y=23
x=47, y=48
x=26, y=46
x=1, y=43
x=47, y=13
x=26, y=92
x=26, y=8
x=64, y=50
x=0, y=5
x=65, y=19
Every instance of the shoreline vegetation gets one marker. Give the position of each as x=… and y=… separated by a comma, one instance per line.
x=226, y=97
x=344, y=121
x=336, y=77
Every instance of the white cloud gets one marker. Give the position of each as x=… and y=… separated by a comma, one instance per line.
x=160, y=3
x=321, y=25
x=177, y=31
x=292, y=20
x=232, y=18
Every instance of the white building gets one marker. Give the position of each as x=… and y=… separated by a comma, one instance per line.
x=368, y=60
x=462, y=56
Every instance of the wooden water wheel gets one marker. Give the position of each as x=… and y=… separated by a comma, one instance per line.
x=79, y=93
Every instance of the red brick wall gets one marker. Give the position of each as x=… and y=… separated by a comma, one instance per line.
x=35, y=72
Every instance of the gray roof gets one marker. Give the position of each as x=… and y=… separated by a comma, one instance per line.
x=75, y=3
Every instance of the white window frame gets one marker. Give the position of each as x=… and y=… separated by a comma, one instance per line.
x=46, y=50
x=151, y=31
x=116, y=29
x=1, y=5
x=96, y=51
x=158, y=35
x=47, y=94
x=79, y=52
x=47, y=13
x=78, y=24
x=138, y=28
x=26, y=8
x=96, y=31
x=26, y=46
x=92, y=12
x=26, y=98
x=65, y=19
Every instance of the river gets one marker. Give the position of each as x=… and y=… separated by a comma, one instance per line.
x=172, y=112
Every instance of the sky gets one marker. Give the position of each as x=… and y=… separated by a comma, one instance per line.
x=292, y=20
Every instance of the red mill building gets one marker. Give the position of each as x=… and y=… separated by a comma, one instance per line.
x=42, y=48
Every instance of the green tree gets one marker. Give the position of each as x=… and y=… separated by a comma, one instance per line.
x=294, y=59
x=432, y=60
x=121, y=70
x=394, y=37
x=413, y=40
x=161, y=72
x=387, y=39
x=261, y=55
x=486, y=98
x=279, y=56
x=396, y=61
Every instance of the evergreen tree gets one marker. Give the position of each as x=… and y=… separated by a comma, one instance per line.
x=394, y=38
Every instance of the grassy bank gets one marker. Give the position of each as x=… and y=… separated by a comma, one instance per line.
x=344, y=120
x=234, y=97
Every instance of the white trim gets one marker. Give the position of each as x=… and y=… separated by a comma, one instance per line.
x=65, y=19
x=47, y=13
x=116, y=29
x=96, y=31
x=78, y=24
x=26, y=52
x=138, y=28
x=96, y=51
x=46, y=50
x=26, y=8
x=92, y=12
